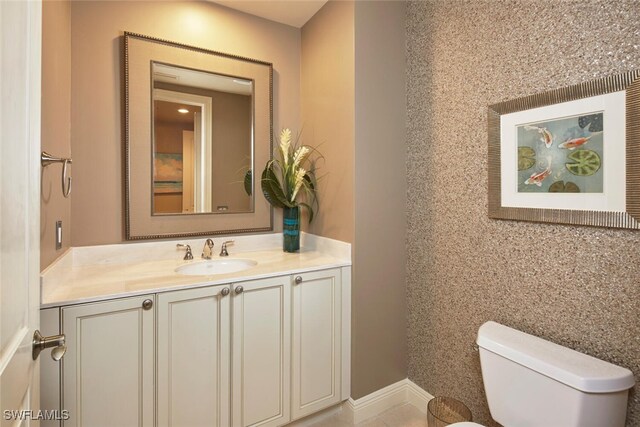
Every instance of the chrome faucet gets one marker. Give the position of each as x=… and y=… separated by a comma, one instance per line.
x=188, y=256
x=207, y=251
x=223, y=251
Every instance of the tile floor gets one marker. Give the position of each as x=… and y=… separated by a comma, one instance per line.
x=405, y=415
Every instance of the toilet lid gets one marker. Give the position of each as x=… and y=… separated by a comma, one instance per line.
x=465, y=424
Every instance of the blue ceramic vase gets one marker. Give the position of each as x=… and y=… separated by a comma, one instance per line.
x=291, y=229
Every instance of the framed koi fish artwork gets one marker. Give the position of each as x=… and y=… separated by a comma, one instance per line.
x=570, y=155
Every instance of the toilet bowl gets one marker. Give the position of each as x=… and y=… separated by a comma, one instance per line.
x=533, y=382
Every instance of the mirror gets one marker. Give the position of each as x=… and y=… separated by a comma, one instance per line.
x=202, y=140
x=197, y=124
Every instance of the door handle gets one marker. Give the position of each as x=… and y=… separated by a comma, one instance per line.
x=56, y=342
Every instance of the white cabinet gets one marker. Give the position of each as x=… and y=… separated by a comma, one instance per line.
x=257, y=353
x=316, y=340
x=107, y=372
x=193, y=330
x=205, y=377
x=261, y=334
x=49, y=369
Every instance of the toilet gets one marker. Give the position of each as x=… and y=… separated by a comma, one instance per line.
x=536, y=383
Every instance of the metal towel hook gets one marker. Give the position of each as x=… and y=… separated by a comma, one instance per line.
x=46, y=159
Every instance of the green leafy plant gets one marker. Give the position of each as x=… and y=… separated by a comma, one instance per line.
x=289, y=179
x=247, y=182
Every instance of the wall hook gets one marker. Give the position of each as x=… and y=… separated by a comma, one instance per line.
x=46, y=159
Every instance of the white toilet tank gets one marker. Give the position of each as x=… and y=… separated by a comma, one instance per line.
x=536, y=383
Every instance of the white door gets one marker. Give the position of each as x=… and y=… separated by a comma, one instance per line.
x=316, y=341
x=194, y=346
x=108, y=371
x=261, y=352
x=20, y=45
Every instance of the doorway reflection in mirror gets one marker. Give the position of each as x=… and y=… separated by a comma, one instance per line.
x=202, y=141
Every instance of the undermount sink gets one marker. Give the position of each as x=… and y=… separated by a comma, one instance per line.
x=216, y=266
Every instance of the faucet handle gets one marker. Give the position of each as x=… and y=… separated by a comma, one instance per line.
x=188, y=255
x=207, y=250
x=223, y=251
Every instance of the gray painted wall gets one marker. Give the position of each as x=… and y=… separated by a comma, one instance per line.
x=379, y=253
x=56, y=123
x=354, y=110
x=577, y=286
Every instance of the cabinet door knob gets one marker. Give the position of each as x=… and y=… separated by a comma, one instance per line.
x=239, y=289
x=147, y=304
x=225, y=292
x=298, y=280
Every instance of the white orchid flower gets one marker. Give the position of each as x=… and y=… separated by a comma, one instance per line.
x=285, y=143
x=300, y=154
x=298, y=182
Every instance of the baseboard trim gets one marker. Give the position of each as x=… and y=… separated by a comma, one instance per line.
x=371, y=405
x=417, y=396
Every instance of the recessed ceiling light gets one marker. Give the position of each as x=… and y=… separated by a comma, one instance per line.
x=183, y=110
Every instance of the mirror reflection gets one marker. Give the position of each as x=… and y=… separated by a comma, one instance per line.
x=202, y=141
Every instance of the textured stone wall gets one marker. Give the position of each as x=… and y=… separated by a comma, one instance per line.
x=576, y=286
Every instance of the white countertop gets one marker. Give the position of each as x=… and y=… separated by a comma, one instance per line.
x=105, y=272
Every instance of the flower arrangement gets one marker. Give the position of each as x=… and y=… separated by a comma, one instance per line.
x=289, y=179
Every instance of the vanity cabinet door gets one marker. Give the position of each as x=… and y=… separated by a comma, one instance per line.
x=193, y=357
x=261, y=352
x=316, y=340
x=108, y=369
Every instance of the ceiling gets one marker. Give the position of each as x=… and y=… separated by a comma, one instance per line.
x=291, y=12
x=165, y=112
